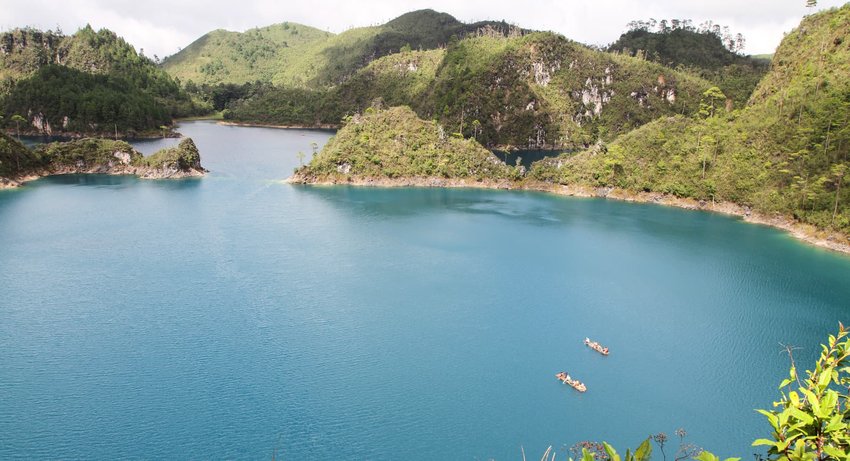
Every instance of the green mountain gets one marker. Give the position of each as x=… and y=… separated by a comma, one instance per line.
x=90, y=82
x=703, y=52
x=293, y=55
x=536, y=90
x=271, y=54
x=786, y=153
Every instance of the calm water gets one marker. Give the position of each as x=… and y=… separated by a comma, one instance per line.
x=235, y=316
x=526, y=157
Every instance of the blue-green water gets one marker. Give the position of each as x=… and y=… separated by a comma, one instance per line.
x=232, y=316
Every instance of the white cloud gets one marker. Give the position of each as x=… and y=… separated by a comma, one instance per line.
x=161, y=27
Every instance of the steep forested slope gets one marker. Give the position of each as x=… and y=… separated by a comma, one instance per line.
x=788, y=152
x=526, y=90
x=92, y=81
x=706, y=52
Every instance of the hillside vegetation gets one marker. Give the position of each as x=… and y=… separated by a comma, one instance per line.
x=708, y=51
x=395, y=143
x=294, y=55
x=88, y=82
x=15, y=158
x=786, y=153
x=94, y=155
x=536, y=90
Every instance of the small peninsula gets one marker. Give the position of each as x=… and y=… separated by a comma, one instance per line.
x=94, y=155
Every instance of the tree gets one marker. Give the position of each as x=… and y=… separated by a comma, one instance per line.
x=476, y=129
x=712, y=98
x=301, y=158
x=811, y=3
x=315, y=147
x=813, y=423
x=18, y=119
x=838, y=172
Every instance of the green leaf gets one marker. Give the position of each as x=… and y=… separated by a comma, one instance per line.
x=824, y=378
x=795, y=398
x=812, y=399
x=706, y=456
x=771, y=418
x=644, y=451
x=764, y=442
x=835, y=453
x=801, y=416
x=612, y=453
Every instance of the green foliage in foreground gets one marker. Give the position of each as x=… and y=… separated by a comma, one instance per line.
x=395, y=143
x=812, y=423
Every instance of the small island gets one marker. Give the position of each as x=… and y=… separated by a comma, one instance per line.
x=19, y=165
x=394, y=147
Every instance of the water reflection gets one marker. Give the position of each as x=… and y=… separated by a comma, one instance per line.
x=528, y=156
x=113, y=181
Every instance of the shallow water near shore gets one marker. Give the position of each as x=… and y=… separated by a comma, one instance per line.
x=237, y=317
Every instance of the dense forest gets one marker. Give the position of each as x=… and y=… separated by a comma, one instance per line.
x=89, y=82
x=504, y=86
x=787, y=152
x=709, y=50
x=511, y=88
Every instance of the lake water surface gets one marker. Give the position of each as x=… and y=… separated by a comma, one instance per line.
x=238, y=317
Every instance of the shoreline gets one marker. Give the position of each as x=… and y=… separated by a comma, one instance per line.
x=832, y=241
x=139, y=172
x=322, y=126
x=75, y=135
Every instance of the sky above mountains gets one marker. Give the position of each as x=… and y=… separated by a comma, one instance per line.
x=162, y=27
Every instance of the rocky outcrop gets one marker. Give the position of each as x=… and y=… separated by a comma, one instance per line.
x=104, y=156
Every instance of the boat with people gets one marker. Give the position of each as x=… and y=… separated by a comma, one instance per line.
x=565, y=378
x=596, y=346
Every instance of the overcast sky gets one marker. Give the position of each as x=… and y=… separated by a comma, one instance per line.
x=162, y=27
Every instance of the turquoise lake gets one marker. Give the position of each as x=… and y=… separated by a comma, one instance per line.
x=237, y=317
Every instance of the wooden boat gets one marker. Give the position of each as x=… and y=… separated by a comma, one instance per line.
x=565, y=378
x=596, y=346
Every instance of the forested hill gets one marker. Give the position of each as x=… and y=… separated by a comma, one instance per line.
x=709, y=51
x=787, y=152
x=294, y=55
x=535, y=90
x=88, y=82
